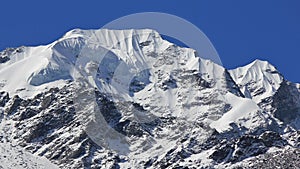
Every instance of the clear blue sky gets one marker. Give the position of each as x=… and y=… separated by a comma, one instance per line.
x=241, y=31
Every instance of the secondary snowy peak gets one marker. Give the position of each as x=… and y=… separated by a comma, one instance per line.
x=257, y=80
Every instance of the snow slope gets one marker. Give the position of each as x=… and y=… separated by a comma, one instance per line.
x=244, y=113
x=14, y=157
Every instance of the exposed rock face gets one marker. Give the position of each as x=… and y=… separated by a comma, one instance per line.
x=247, y=146
x=13, y=105
x=284, y=158
x=286, y=102
x=4, y=55
x=40, y=124
x=4, y=97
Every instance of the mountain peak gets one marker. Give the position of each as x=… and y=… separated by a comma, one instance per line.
x=261, y=64
x=53, y=62
x=258, y=80
x=110, y=33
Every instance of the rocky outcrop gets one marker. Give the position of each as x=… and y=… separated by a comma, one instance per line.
x=4, y=98
x=246, y=146
x=286, y=102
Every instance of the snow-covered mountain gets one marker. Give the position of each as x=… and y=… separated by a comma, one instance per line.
x=130, y=99
x=258, y=80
